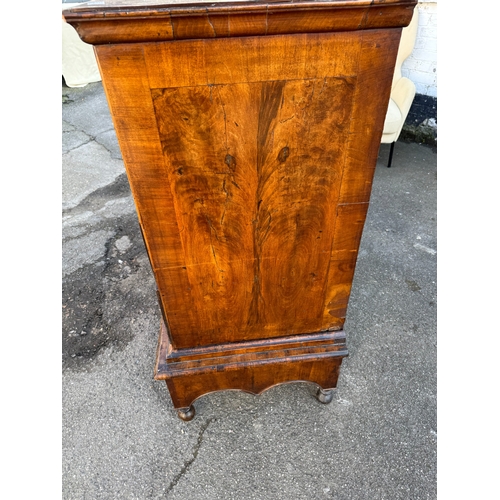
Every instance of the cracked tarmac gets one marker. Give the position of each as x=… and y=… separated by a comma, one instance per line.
x=122, y=438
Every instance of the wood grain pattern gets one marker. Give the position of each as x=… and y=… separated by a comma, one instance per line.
x=257, y=189
x=250, y=234
x=104, y=22
x=240, y=184
x=250, y=159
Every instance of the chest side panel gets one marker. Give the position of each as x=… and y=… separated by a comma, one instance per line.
x=251, y=161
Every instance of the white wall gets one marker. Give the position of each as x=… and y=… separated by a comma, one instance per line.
x=421, y=66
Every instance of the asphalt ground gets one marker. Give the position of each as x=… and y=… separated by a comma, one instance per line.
x=121, y=437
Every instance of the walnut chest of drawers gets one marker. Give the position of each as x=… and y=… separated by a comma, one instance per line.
x=249, y=132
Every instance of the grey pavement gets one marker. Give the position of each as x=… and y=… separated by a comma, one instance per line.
x=121, y=436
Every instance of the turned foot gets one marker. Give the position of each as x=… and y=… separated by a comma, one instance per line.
x=325, y=396
x=186, y=414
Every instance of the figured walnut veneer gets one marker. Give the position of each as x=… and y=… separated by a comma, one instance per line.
x=250, y=132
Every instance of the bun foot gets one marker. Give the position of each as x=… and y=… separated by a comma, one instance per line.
x=325, y=396
x=186, y=414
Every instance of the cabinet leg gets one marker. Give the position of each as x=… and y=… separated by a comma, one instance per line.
x=186, y=414
x=325, y=396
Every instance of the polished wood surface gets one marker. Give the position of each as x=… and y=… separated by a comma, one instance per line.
x=127, y=21
x=249, y=366
x=250, y=159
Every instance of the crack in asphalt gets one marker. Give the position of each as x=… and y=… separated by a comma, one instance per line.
x=91, y=139
x=189, y=462
x=97, y=199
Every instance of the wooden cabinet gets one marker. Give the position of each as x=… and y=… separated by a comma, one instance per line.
x=250, y=132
